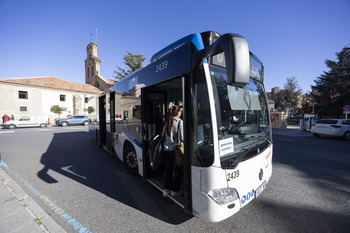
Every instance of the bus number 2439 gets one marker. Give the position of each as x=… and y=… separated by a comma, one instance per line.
x=232, y=175
x=162, y=66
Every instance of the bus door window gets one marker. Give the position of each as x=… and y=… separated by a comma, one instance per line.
x=102, y=120
x=112, y=111
x=153, y=107
x=108, y=108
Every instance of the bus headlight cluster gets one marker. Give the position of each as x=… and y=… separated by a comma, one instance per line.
x=223, y=196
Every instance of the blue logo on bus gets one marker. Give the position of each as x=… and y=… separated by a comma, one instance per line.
x=248, y=196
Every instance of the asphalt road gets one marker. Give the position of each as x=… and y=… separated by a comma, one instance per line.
x=85, y=189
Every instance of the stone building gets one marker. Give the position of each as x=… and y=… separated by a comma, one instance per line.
x=92, y=69
x=276, y=94
x=27, y=96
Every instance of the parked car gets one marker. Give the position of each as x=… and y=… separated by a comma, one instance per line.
x=28, y=121
x=118, y=119
x=332, y=127
x=74, y=120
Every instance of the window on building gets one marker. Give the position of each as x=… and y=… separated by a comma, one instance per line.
x=23, y=94
x=86, y=100
x=23, y=109
x=62, y=97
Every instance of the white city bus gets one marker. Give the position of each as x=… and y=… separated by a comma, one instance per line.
x=227, y=134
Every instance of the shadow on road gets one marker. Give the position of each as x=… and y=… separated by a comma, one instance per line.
x=76, y=156
x=316, y=177
x=301, y=218
x=322, y=159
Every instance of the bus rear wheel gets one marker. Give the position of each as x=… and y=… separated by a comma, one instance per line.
x=130, y=159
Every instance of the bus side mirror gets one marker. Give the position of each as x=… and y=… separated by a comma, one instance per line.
x=236, y=57
x=236, y=51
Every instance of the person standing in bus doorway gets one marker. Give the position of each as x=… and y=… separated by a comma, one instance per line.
x=171, y=182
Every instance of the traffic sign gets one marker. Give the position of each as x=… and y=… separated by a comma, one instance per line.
x=346, y=108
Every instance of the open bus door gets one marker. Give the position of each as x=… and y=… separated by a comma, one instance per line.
x=101, y=133
x=156, y=100
x=110, y=120
x=153, y=102
x=106, y=125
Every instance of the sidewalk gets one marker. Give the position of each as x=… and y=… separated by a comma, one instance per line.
x=19, y=212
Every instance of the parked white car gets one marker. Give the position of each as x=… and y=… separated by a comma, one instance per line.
x=28, y=121
x=332, y=127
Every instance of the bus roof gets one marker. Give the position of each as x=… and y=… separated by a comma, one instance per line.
x=195, y=39
x=166, y=66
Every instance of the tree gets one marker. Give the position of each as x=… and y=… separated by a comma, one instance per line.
x=133, y=63
x=56, y=109
x=91, y=109
x=290, y=96
x=332, y=89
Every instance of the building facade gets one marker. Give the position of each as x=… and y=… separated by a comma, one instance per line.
x=276, y=94
x=27, y=96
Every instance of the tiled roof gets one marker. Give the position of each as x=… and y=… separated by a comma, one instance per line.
x=108, y=81
x=53, y=82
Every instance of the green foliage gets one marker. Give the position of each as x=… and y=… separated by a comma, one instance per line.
x=133, y=63
x=91, y=109
x=290, y=96
x=56, y=109
x=333, y=86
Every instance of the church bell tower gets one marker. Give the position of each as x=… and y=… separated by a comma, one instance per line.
x=92, y=62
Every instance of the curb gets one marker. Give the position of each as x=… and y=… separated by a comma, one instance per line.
x=46, y=223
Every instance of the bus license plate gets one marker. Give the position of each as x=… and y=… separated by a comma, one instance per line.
x=260, y=189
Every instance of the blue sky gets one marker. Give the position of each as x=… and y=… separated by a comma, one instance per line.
x=49, y=38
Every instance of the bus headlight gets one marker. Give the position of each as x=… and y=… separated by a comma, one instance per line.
x=223, y=196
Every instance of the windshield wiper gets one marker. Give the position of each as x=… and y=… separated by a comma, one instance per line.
x=235, y=161
x=246, y=151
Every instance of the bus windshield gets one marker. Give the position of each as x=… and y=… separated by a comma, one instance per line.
x=242, y=118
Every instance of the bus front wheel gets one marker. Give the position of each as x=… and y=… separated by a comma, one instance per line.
x=130, y=159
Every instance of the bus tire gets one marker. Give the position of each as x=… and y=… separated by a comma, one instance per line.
x=130, y=158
